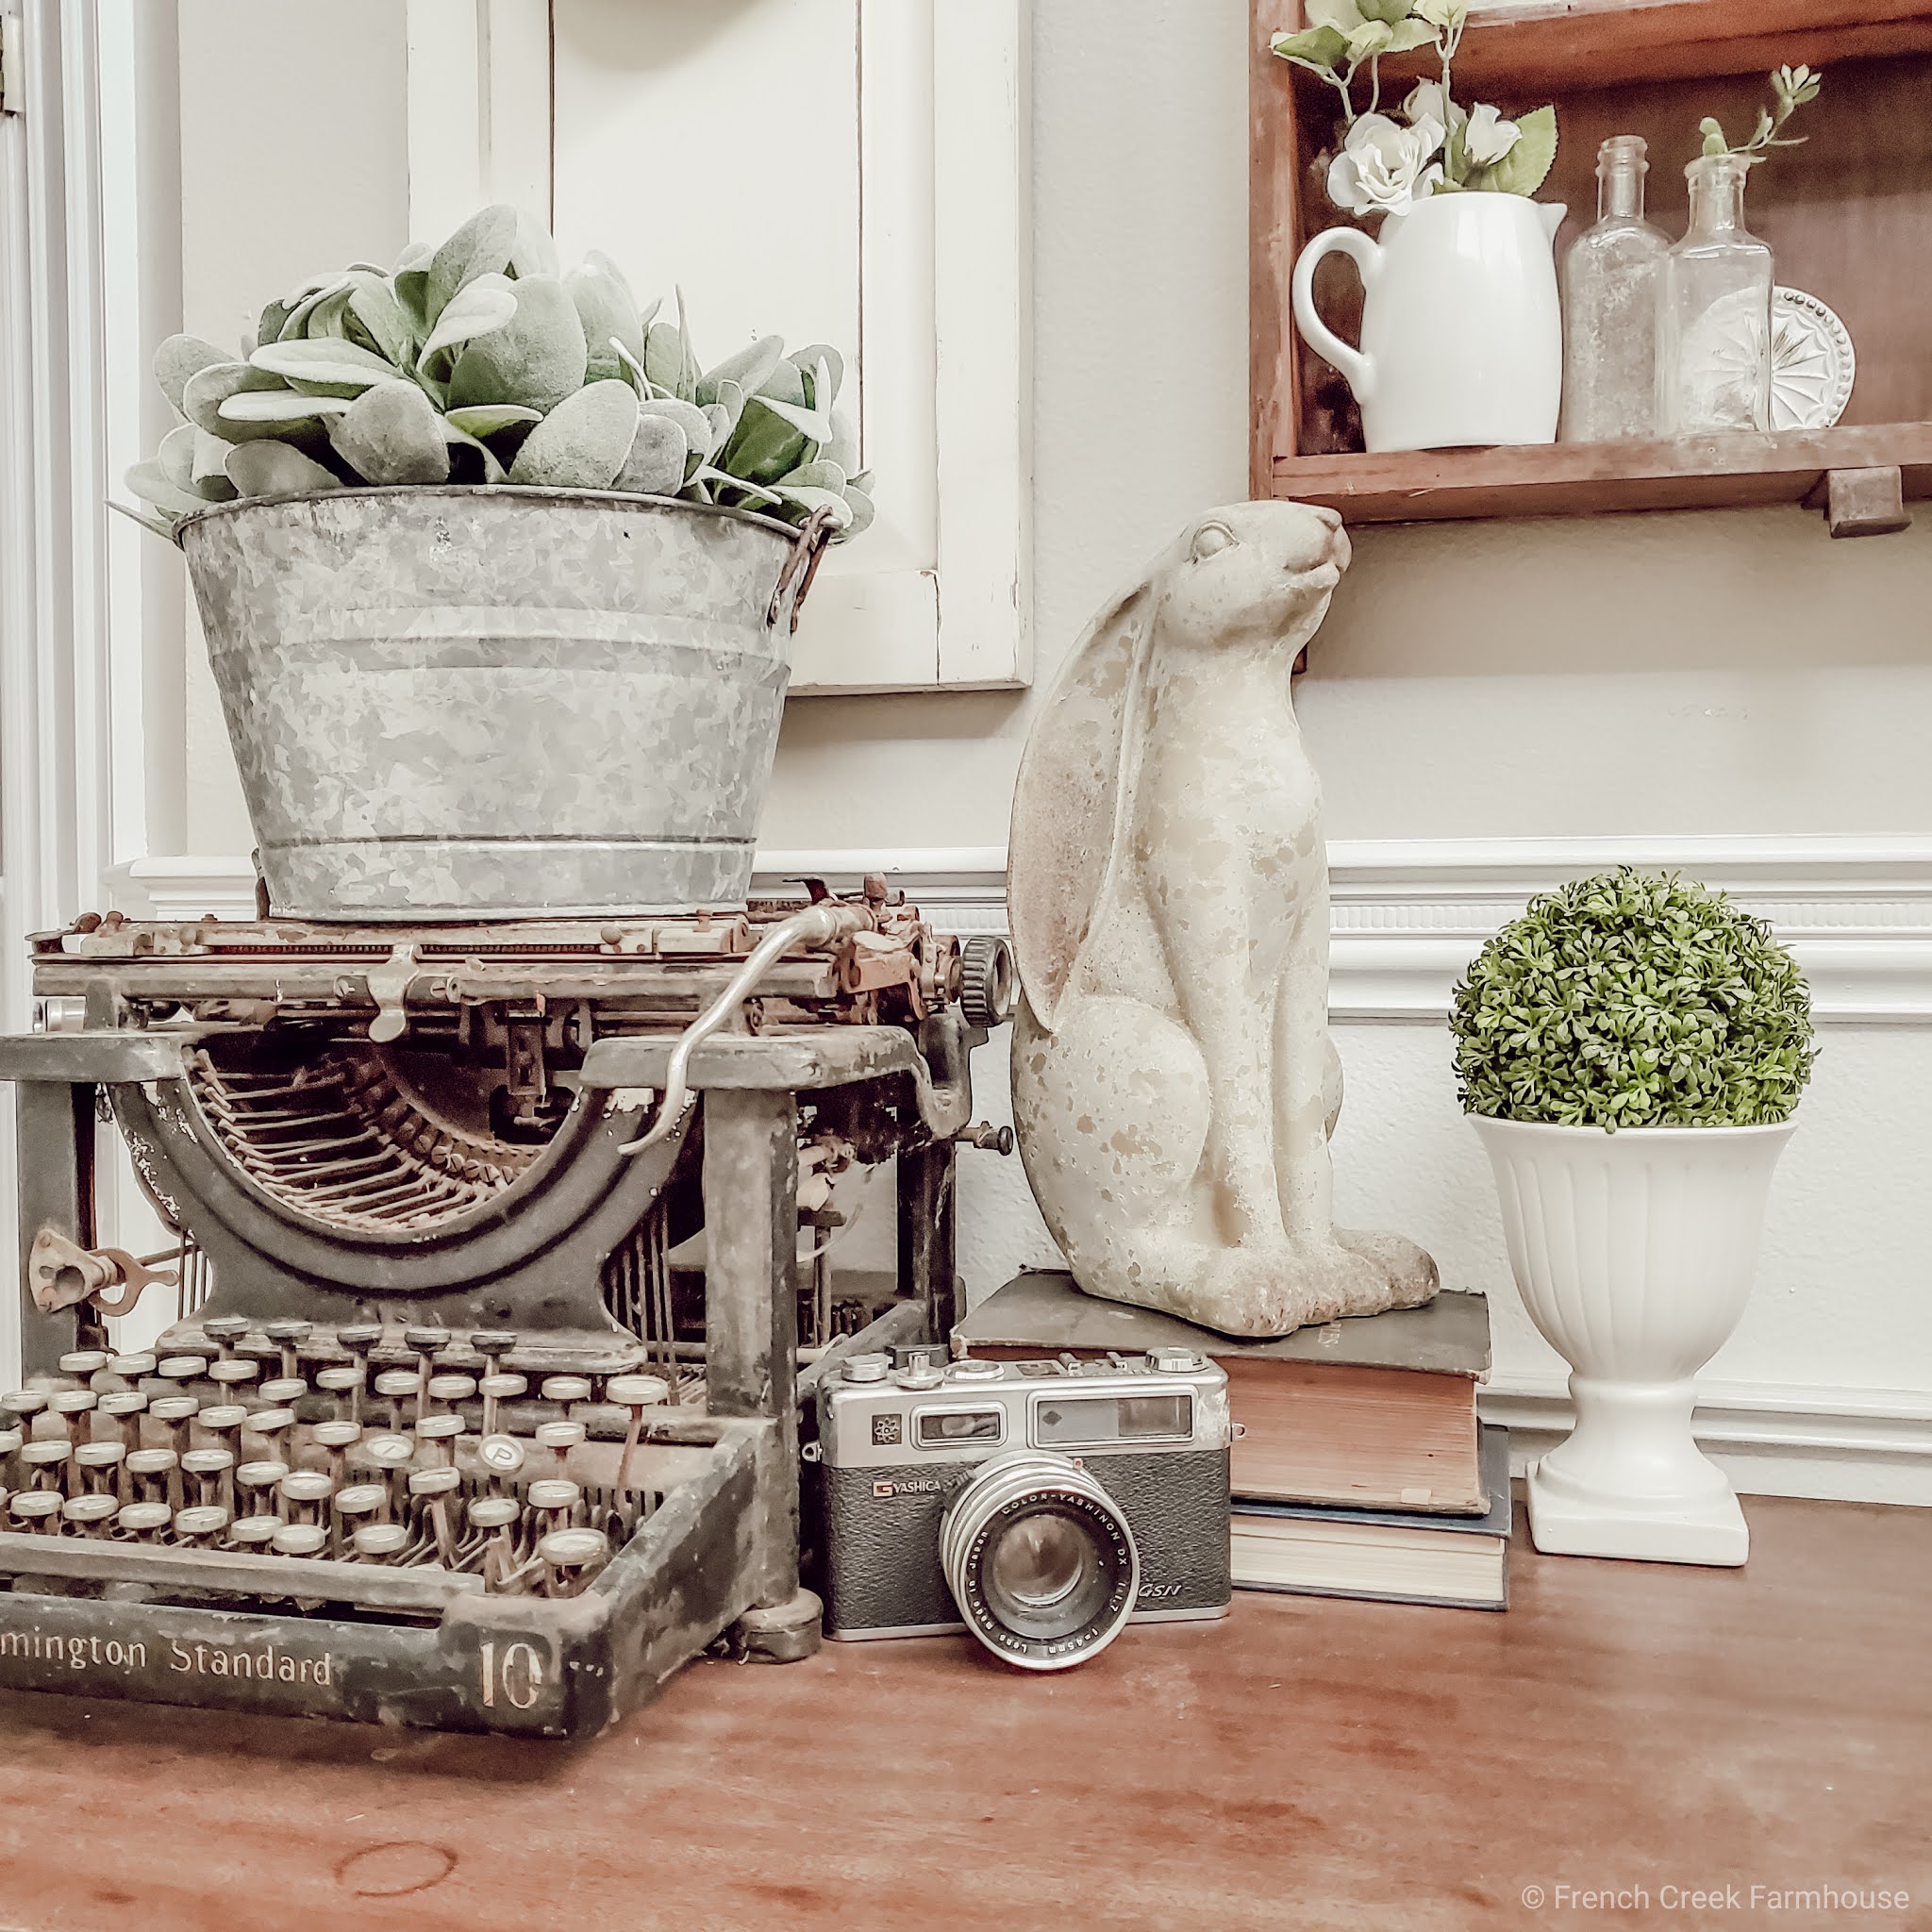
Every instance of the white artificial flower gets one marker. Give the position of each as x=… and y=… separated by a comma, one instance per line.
x=1489, y=137
x=1385, y=167
x=1441, y=14
x=1426, y=101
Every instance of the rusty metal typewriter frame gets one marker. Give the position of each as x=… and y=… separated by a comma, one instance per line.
x=719, y=1559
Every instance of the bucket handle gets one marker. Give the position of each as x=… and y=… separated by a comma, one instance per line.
x=802, y=566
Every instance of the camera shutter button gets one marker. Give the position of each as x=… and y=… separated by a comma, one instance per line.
x=866, y=1368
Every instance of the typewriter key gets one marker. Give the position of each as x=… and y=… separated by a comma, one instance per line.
x=360, y=1339
x=225, y=1422
x=47, y=1461
x=394, y=1385
x=341, y=1381
x=89, y=1514
x=174, y=1412
x=554, y=1500
x=495, y=1389
x=380, y=1542
x=492, y=1344
x=254, y=1532
x=199, y=1526
x=304, y=1491
x=437, y=1486
x=494, y=1517
x=337, y=1439
x=358, y=1500
x=73, y=1407
x=502, y=1455
x=559, y=1438
x=125, y=1408
x=571, y=1558
x=84, y=1362
x=260, y=1483
x=439, y=1433
x=232, y=1370
x=131, y=1368
x=299, y=1538
x=635, y=1393
x=225, y=1331
x=283, y=1392
x=36, y=1508
x=212, y=1471
x=181, y=1368
x=143, y=1520
x=446, y=1391
x=24, y=1404
x=566, y=1391
x=270, y=1425
x=391, y=1455
x=289, y=1335
x=156, y=1475
x=104, y=1464
x=427, y=1342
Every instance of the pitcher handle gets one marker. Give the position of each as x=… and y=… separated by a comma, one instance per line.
x=1358, y=371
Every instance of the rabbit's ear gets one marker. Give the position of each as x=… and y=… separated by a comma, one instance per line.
x=1067, y=802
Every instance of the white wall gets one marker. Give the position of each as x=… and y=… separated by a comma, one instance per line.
x=1722, y=673
x=295, y=160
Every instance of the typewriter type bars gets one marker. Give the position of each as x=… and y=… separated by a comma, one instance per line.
x=440, y=1436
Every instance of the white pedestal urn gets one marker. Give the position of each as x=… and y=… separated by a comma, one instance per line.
x=1634, y=1252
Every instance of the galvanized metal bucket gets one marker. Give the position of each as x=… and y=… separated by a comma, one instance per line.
x=470, y=702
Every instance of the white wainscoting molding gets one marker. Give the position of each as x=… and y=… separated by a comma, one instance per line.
x=1771, y=1439
x=1409, y=914
x=1408, y=917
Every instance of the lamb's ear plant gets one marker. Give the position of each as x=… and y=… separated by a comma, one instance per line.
x=477, y=362
x=1630, y=1000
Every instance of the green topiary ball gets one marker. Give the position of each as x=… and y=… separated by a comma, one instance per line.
x=1627, y=1000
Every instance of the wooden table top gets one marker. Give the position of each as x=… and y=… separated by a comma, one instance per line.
x=1305, y=1764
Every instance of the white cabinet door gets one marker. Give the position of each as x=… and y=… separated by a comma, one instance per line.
x=851, y=171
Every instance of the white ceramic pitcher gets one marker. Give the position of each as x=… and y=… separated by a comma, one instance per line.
x=1463, y=333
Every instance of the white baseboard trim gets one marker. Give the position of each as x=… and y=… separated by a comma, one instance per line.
x=1839, y=1444
x=1409, y=913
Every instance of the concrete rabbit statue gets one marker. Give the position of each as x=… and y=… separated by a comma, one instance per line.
x=1173, y=1081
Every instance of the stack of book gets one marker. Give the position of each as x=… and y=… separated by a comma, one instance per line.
x=1361, y=1468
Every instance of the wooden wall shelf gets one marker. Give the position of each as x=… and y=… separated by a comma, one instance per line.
x=1585, y=478
x=1848, y=216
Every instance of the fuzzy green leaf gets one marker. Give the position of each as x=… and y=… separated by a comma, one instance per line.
x=391, y=434
x=486, y=419
x=276, y=468
x=537, y=358
x=750, y=369
x=481, y=246
x=478, y=308
x=181, y=357
x=322, y=368
x=609, y=314
x=209, y=388
x=582, y=444
x=655, y=464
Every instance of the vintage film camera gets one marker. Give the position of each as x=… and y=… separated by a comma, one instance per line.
x=1040, y=1504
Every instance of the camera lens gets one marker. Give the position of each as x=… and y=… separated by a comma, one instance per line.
x=1040, y=1559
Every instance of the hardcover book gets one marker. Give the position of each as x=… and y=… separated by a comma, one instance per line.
x=1391, y=1557
x=1375, y=1412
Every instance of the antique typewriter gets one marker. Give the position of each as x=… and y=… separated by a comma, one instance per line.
x=479, y=1405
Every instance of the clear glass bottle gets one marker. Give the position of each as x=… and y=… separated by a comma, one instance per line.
x=1611, y=277
x=1714, y=361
